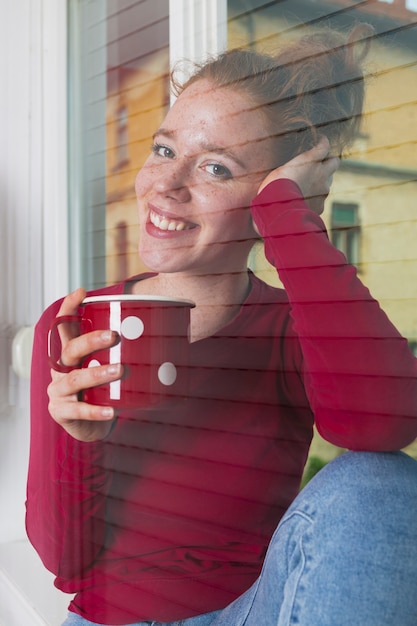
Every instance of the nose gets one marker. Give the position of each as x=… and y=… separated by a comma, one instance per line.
x=174, y=181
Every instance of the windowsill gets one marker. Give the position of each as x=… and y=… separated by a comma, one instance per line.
x=27, y=592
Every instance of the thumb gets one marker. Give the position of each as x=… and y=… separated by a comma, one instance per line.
x=318, y=152
x=72, y=301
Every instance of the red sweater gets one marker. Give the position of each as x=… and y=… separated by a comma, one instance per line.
x=171, y=515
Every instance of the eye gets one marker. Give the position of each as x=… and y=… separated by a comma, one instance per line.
x=162, y=151
x=217, y=170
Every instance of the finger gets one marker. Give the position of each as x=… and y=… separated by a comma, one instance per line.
x=329, y=183
x=77, y=380
x=332, y=164
x=319, y=152
x=71, y=302
x=69, y=306
x=75, y=350
x=71, y=412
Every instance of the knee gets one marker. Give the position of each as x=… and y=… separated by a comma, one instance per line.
x=366, y=480
x=360, y=506
x=350, y=535
x=387, y=470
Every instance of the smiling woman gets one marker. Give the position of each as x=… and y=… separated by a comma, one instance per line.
x=206, y=166
x=166, y=514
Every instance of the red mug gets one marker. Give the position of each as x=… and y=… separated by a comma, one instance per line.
x=153, y=348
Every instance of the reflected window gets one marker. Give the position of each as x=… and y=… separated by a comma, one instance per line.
x=122, y=137
x=119, y=91
x=121, y=232
x=370, y=214
x=345, y=230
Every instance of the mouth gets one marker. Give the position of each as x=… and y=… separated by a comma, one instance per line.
x=165, y=223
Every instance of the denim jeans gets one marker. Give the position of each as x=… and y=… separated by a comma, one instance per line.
x=345, y=553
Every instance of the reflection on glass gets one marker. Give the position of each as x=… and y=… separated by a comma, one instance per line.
x=379, y=173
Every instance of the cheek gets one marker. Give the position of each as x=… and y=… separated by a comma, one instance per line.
x=140, y=183
x=145, y=177
x=233, y=203
x=220, y=210
x=239, y=208
x=142, y=187
x=235, y=224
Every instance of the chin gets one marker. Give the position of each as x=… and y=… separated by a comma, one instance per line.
x=159, y=263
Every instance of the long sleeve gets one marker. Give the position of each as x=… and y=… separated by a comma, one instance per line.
x=360, y=376
x=67, y=480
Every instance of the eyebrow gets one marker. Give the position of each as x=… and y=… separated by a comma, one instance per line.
x=164, y=132
x=206, y=147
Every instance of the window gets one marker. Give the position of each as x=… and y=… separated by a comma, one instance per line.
x=345, y=230
x=121, y=250
x=118, y=57
x=119, y=91
x=122, y=137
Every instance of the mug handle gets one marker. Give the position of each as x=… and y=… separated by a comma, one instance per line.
x=54, y=344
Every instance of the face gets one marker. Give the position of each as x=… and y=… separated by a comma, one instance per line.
x=194, y=191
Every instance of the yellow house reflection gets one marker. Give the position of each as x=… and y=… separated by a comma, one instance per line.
x=136, y=104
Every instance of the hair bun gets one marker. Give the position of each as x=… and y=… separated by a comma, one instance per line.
x=314, y=86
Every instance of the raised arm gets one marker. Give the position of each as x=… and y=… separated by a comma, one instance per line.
x=360, y=376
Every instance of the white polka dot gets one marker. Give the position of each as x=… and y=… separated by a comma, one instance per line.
x=94, y=363
x=167, y=373
x=132, y=327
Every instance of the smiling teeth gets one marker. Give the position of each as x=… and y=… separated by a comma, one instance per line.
x=164, y=223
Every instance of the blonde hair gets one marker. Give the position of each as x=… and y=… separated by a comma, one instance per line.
x=313, y=86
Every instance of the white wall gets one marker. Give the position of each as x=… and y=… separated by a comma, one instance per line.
x=33, y=210
x=20, y=237
x=33, y=243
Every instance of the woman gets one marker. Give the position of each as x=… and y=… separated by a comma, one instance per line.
x=163, y=518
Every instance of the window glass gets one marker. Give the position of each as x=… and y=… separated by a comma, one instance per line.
x=377, y=178
x=119, y=91
x=370, y=213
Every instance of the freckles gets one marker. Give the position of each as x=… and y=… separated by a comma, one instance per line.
x=141, y=183
x=138, y=181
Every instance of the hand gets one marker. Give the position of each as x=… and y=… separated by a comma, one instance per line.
x=312, y=171
x=82, y=421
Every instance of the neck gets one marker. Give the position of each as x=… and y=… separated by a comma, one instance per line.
x=218, y=298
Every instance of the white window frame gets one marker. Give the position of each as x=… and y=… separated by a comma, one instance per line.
x=54, y=120
x=197, y=29
x=33, y=74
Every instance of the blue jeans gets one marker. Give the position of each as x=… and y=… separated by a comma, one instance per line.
x=344, y=554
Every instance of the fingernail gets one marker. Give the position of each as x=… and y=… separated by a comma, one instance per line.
x=106, y=335
x=107, y=411
x=113, y=369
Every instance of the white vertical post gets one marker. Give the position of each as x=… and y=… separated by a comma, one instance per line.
x=33, y=214
x=54, y=140
x=197, y=29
